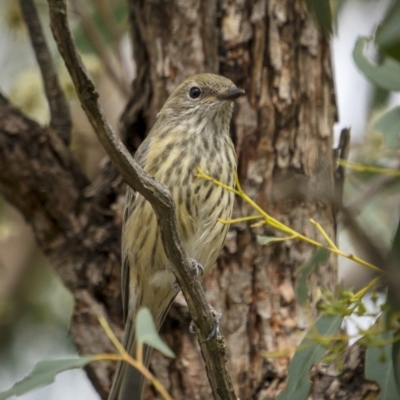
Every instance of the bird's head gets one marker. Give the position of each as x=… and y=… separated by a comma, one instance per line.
x=203, y=94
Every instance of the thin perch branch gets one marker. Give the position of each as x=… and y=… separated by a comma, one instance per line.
x=60, y=116
x=159, y=197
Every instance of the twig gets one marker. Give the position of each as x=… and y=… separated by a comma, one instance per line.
x=124, y=356
x=274, y=223
x=60, y=117
x=160, y=199
x=369, y=168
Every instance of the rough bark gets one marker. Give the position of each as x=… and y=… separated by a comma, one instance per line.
x=79, y=234
x=283, y=136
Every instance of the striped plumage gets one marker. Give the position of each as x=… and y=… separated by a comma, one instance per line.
x=189, y=132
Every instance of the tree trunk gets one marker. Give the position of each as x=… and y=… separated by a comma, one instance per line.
x=283, y=135
x=282, y=131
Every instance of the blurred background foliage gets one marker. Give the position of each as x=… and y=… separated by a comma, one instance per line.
x=35, y=307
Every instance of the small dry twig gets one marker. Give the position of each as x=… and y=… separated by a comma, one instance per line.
x=60, y=116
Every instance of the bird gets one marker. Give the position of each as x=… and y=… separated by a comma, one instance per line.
x=192, y=130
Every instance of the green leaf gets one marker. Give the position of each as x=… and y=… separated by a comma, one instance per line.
x=389, y=125
x=379, y=368
x=385, y=75
x=322, y=10
x=320, y=256
x=393, y=312
x=146, y=332
x=396, y=364
x=43, y=374
x=387, y=36
x=264, y=240
x=310, y=352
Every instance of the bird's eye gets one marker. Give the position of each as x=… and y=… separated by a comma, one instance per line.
x=194, y=92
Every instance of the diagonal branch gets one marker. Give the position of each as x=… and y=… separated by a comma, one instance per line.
x=159, y=197
x=60, y=116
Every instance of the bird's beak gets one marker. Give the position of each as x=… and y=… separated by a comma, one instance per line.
x=231, y=94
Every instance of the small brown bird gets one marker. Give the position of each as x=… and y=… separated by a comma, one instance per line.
x=192, y=129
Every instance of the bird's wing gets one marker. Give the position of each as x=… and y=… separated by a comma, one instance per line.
x=130, y=204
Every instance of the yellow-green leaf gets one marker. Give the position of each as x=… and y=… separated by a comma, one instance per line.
x=146, y=332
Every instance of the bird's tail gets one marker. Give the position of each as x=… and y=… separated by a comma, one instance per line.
x=128, y=382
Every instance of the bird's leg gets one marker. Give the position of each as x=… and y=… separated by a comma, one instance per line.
x=215, y=330
x=197, y=267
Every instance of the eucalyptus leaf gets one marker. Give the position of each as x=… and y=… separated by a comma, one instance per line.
x=146, y=332
x=392, y=314
x=320, y=256
x=396, y=364
x=264, y=240
x=43, y=374
x=379, y=368
x=387, y=36
x=385, y=75
x=389, y=125
x=309, y=352
x=322, y=11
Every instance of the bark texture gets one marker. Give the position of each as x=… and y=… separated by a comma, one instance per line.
x=283, y=136
x=80, y=237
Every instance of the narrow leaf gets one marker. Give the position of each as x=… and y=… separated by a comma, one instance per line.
x=389, y=125
x=379, y=368
x=387, y=36
x=393, y=300
x=310, y=352
x=396, y=364
x=320, y=256
x=43, y=374
x=146, y=332
x=264, y=240
x=385, y=75
x=322, y=10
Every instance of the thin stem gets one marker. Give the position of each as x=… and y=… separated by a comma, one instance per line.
x=369, y=168
x=60, y=116
x=111, y=336
x=324, y=234
x=286, y=229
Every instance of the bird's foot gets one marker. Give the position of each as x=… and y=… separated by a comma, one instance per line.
x=197, y=267
x=215, y=330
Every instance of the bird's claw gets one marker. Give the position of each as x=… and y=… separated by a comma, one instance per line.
x=215, y=330
x=192, y=328
x=197, y=268
x=175, y=285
